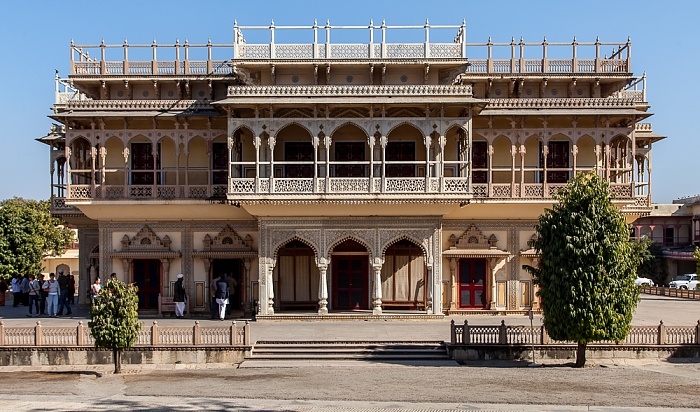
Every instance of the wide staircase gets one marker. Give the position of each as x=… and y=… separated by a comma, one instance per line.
x=277, y=354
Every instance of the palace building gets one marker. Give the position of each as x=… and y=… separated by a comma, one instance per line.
x=374, y=177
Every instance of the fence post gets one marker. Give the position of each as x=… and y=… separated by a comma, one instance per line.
x=232, y=342
x=80, y=334
x=155, y=335
x=545, y=336
x=697, y=333
x=2, y=333
x=466, y=333
x=453, y=333
x=246, y=333
x=502, y=333
x=38, y=334
x=662, y=333
x=196, y=334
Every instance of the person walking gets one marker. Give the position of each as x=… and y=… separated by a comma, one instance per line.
x=42, y=294
x=34, y=295
x=16, y=290
x=179, y=297
x=24, y=288
x=232, y=283
x=63, y=294
x=95, y=289
x=71, y=289
x=51, y=287
x=222, y=295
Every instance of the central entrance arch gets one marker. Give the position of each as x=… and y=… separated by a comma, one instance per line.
x=350, y=276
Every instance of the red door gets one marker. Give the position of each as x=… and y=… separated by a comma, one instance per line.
x=147, y=278
x=472, y=283
x=350, y=279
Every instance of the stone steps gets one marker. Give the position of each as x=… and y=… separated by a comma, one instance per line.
x=327, y=353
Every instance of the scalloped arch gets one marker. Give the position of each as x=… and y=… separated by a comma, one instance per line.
x=406, y=122
x=293, y=238
x=399, y=238
x=243, y=126
x=343, y=238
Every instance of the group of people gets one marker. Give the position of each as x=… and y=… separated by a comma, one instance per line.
x=44, y=297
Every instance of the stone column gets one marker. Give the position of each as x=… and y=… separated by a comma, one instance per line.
x=430, y=291
x=270, y=287
x=322, y=286
x=377, y=286
x=126, y=267
x=166, y=276
x=453, y=284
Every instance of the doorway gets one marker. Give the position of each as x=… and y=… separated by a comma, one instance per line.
x=350, y=280
x=147, y=279
x=232, y=267
x=472, y=283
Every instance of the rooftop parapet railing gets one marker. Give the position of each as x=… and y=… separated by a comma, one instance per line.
x=180, y=62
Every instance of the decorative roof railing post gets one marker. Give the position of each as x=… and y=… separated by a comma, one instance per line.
x=383, y=27
x=72, y=57
x=629, y=56
x=545, y=69
x=371, y=40
x=103, y=64
x=597, y=54
x=235, y=39
x=574, y=59
x=154, y=61
x=463, y=39
x=315, y=46
x=328, y=39
x=489, y=58
x=177, y=56
x=126, y=58
x=512, y=54
x=644, y=87
x=187, y=57
x=426, y=52
x=272, y=39
x=210, y=64
x=522, y=55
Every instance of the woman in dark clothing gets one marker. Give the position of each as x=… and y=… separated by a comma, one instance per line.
x=71, y=290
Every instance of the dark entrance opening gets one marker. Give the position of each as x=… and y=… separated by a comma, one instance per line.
x=232, y=267
x=146, y=275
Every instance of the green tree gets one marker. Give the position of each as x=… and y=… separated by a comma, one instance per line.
x=28, y=233
x=696, y=255
x=114, y=318
x=587, y=268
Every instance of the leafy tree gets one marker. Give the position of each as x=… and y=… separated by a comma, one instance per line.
x=114, y=318
x=587, y=269
x=28, y=233
x=696, y=255
x=650, y=259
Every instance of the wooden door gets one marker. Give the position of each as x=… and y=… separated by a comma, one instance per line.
x=350, y=282
x=472, y=283
x=146, y=274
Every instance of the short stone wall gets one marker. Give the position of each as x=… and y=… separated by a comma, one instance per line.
x=77, y=356
x=465, y=353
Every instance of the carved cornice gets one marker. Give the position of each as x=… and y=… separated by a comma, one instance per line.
x=350, y=91
x=167, y=105
x=559, y=103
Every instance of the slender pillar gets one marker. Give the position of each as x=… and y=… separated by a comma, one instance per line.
x=453, y=284
x=377, y=286
x=270, y=287
x=322, y=286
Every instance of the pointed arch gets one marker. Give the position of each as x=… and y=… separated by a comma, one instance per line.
x=349, y=123
x=404, y=123
x=294, y=123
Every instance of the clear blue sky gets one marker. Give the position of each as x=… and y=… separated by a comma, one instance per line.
x=36, y=37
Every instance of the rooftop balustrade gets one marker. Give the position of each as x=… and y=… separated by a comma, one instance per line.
x=375, y=48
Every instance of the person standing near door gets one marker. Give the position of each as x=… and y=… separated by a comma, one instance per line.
x=179, y=297
x=222, y=293
x=51, y=287
x=63, y=294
